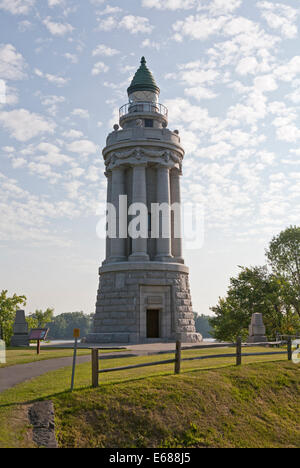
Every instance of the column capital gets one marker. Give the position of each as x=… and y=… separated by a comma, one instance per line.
x=176, y=173
x=139, y=164
x=163, y=167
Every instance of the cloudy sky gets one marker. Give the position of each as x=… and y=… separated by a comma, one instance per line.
x=229, y=72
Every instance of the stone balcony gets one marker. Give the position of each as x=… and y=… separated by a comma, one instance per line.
x=141, y=133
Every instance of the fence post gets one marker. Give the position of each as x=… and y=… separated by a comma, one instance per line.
x=289, y=348
x=178, y=357
x=95, y=367
x=238, y=351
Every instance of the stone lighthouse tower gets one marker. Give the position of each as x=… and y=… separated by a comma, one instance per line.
x=144, y=292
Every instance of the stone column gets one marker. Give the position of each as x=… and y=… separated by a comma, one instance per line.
x=108, y=200
x=163, y=245
x=176, y=217
x=117, y=245
x=139, y=195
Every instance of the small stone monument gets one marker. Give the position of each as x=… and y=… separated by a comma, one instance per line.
x=20, y=336
x=2, y=352
x=257, y=330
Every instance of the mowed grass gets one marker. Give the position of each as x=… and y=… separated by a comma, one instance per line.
x=256, y=404
x=25, y=355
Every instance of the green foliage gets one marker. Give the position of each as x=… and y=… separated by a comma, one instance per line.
x=42, y=318
x=202, y=325
x=284, y=257
x=8, y=308
x=275, y=294
x=62, y=326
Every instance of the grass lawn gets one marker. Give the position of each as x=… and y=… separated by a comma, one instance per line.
x=25, y=355
x=211, y=403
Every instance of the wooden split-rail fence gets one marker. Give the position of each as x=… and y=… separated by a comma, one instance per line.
x=178, y=359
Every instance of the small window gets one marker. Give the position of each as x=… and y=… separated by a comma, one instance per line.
x=148, y=123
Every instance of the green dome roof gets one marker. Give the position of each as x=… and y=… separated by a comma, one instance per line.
x=143, y=80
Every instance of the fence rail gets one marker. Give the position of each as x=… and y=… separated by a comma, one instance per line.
x=178, y=356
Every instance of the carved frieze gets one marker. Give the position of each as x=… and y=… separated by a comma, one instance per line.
x=140, y=155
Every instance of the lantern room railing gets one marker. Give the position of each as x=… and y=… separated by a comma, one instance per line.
x=141, y=107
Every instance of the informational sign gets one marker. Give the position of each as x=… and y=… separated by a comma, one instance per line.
x=76, y=333
x=38, y=334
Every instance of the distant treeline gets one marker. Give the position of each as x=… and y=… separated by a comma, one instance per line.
x=62, y=326
x=202, y=325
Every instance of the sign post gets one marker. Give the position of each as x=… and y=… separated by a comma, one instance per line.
x=38, y=335
x=76, y=335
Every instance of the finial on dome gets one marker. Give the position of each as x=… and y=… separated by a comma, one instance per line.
x=143, y=80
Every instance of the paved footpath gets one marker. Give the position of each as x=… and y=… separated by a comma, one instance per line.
x=14, y=375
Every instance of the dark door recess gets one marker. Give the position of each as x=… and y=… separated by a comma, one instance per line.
x=153, y=323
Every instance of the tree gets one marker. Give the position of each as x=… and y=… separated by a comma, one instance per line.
x=62, y=325
x=43, y=318
x=202, y=325
x=8, y=308
x=254, y=290
x=284, y=258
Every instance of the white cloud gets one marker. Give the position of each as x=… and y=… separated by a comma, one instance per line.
x=99, y=67
x=24, y=125
x=151, y=44
x=200, y=93
x=72, y=134
x=17, y=7
x=51, y=103
x=265, y=83
x=198, y=27
x=289, y=133
x=108, y=24
x=57, y=29
x=12, y=63
x=196, y=117
x=72, y=57
x=247, y=65
x=170, y=4
x=132, y=24
x=83, y=147
x=104, y=51
x=288, y=71
x=57, y=80
x=136, y=24
x=44, y=171
x=53, y=3
x=108, y=10
x=280, y=16
x=82, y=113
x=294, y=96
x=52, y=156
x=213, y=6
x=93, y=174
x=224, y=6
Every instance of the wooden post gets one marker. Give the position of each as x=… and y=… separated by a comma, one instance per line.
x=239, y=351
x=178, y=357
x=289, y=348
x=38, y=347
x=95, y=367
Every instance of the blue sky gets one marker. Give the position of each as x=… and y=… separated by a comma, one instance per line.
x=229, y=72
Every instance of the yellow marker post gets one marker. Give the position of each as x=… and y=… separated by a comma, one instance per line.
x=76, y=335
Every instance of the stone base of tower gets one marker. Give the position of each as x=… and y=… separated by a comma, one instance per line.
x=142, y=303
